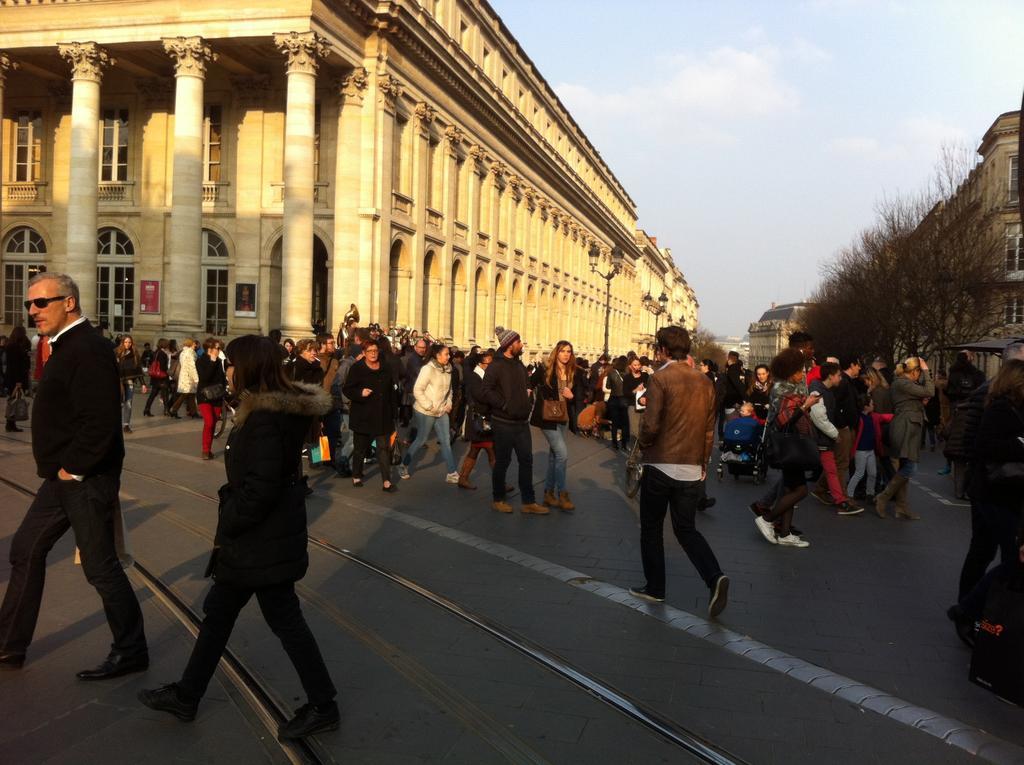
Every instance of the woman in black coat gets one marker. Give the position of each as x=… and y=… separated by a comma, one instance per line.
x=260, y=544
x=996, y=510
x=373, y=393
x=210, y=392
x=17, y=352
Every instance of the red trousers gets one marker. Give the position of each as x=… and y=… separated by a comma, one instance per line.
x=210, y=414
x=831, y=475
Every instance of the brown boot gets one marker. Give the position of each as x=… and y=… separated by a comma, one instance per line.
x=465, y=471
x=536, y=509
x=902, y=507
x=890, y=491
x=501, y=506
x=564, y=502
x=550, y=500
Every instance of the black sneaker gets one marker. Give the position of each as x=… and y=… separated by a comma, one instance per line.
x=719, y=596
x=310, y=720
x=641, y=592
x=706, y=502
x=168, y=699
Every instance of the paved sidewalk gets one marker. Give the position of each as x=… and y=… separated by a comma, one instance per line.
x=866, y=600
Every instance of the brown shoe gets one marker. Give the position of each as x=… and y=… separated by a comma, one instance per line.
x=564, y=502
x=464, y=472
x=502, y=506
x=536, y=509
x=550, y=499
x=465, y=484
x=207, y=455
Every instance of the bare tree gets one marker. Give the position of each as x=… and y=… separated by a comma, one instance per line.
x=704, y=346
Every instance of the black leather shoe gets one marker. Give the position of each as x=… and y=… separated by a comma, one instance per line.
x=10, y=660
x=168, y=699
x=310, y=720
x=642, y=592
x=116, y=665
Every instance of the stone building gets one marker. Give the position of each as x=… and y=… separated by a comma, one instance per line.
x=201, y=170
x=770, y=334
x=662, y=296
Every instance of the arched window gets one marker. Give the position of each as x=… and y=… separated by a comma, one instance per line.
x=114, y=243
x=115, y=280
x=215, y=283
x=23, y=254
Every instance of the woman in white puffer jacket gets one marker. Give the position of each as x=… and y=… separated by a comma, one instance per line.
x=432, y=405
x=188, y=379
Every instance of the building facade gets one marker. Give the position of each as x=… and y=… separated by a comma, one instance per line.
x=770, y=334
x=198, y=172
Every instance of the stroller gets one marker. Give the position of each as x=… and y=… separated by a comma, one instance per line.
x=743, y=450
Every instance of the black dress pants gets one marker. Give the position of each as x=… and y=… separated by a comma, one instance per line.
x=87, y=507
x=283, y=614
x=993, y=528
x=660, y=494
x=361, y=445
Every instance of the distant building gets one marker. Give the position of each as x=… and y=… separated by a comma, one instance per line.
x=736, y=343
x=770, y=333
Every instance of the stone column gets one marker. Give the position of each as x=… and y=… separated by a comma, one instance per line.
x=182, y=283
x=303, y=51
x=88, y=61
x=347, y=189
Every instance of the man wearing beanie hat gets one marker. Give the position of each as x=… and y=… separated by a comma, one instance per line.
x=506, y=393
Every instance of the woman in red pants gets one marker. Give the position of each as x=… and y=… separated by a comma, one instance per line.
x=210, y=393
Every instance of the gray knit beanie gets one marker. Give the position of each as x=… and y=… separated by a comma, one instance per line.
x=505, y=337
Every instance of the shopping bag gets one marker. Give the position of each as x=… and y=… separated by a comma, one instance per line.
x=17, y=407
x=321, y=452
x=998, y=660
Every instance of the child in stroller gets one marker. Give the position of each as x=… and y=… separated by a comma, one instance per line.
x=743, y=446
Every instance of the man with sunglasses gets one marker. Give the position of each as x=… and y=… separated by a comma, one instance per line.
x=78, y=449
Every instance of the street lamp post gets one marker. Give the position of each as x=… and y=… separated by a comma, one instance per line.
x=663, y=301
x=594, y=256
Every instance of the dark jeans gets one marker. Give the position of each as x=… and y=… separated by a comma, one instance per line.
x=283, y=614
x=361, y=445
x=509, y=437
x=158, y=387
x=87, y=507
x=618, y=413
x=658, y=494
x=993, y=527
x=332, y=429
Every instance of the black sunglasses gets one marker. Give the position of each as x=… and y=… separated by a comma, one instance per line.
x=43, y=302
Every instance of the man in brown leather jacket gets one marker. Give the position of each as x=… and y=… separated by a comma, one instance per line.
x=676, y=437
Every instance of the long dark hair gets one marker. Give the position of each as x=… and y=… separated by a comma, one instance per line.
x=258, y=368
x=1009, y=383
x=19, y=340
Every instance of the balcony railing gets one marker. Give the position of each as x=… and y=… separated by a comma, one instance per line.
x=213, y=192
x=23, y=191
x=320, y=195
x=118, y=192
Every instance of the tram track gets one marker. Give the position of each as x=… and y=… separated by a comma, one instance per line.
x=267, y=710
x=496, y=734
x=621, y=702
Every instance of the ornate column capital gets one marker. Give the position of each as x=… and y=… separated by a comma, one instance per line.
x=6, y=65
x=388, y=90
x=425, y=114
x=190, y=54
x=353, y=85
x=303, y=50
x=88, y=60
x=454, y=138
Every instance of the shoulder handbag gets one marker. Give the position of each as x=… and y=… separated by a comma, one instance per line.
x=155, y=371
x=785, y=448
x=17, y=407
x=554, y=411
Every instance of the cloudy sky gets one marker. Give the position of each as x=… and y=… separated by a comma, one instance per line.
x=757, y=137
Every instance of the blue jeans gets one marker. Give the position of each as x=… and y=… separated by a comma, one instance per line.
x=126, y=404
x=558, y=458
x=425, y=424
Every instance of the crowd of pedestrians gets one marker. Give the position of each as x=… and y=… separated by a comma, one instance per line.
x=840, y=430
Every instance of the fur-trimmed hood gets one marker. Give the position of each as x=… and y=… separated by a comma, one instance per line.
x=314, y=401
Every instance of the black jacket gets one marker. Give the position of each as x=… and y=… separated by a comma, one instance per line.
x=261, y=529
x=735, y=386
x=962, y=433
x=544, y=392
x=375, y=414
x=76, y=417
x=17, y=367
x=309, y=372
x=847, y=411
x=997, y=441
x=210, y=373
x=963, y=382
x=505, y=390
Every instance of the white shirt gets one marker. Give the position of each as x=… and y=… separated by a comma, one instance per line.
x=75, y=323
x=677, y=472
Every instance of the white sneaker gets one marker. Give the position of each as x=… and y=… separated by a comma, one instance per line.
x=403, y=472
x=792, y=540
x=766, y=529
x=452, y=478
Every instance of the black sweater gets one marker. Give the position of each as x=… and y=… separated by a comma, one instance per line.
x=505, y=390
x=76, y=418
